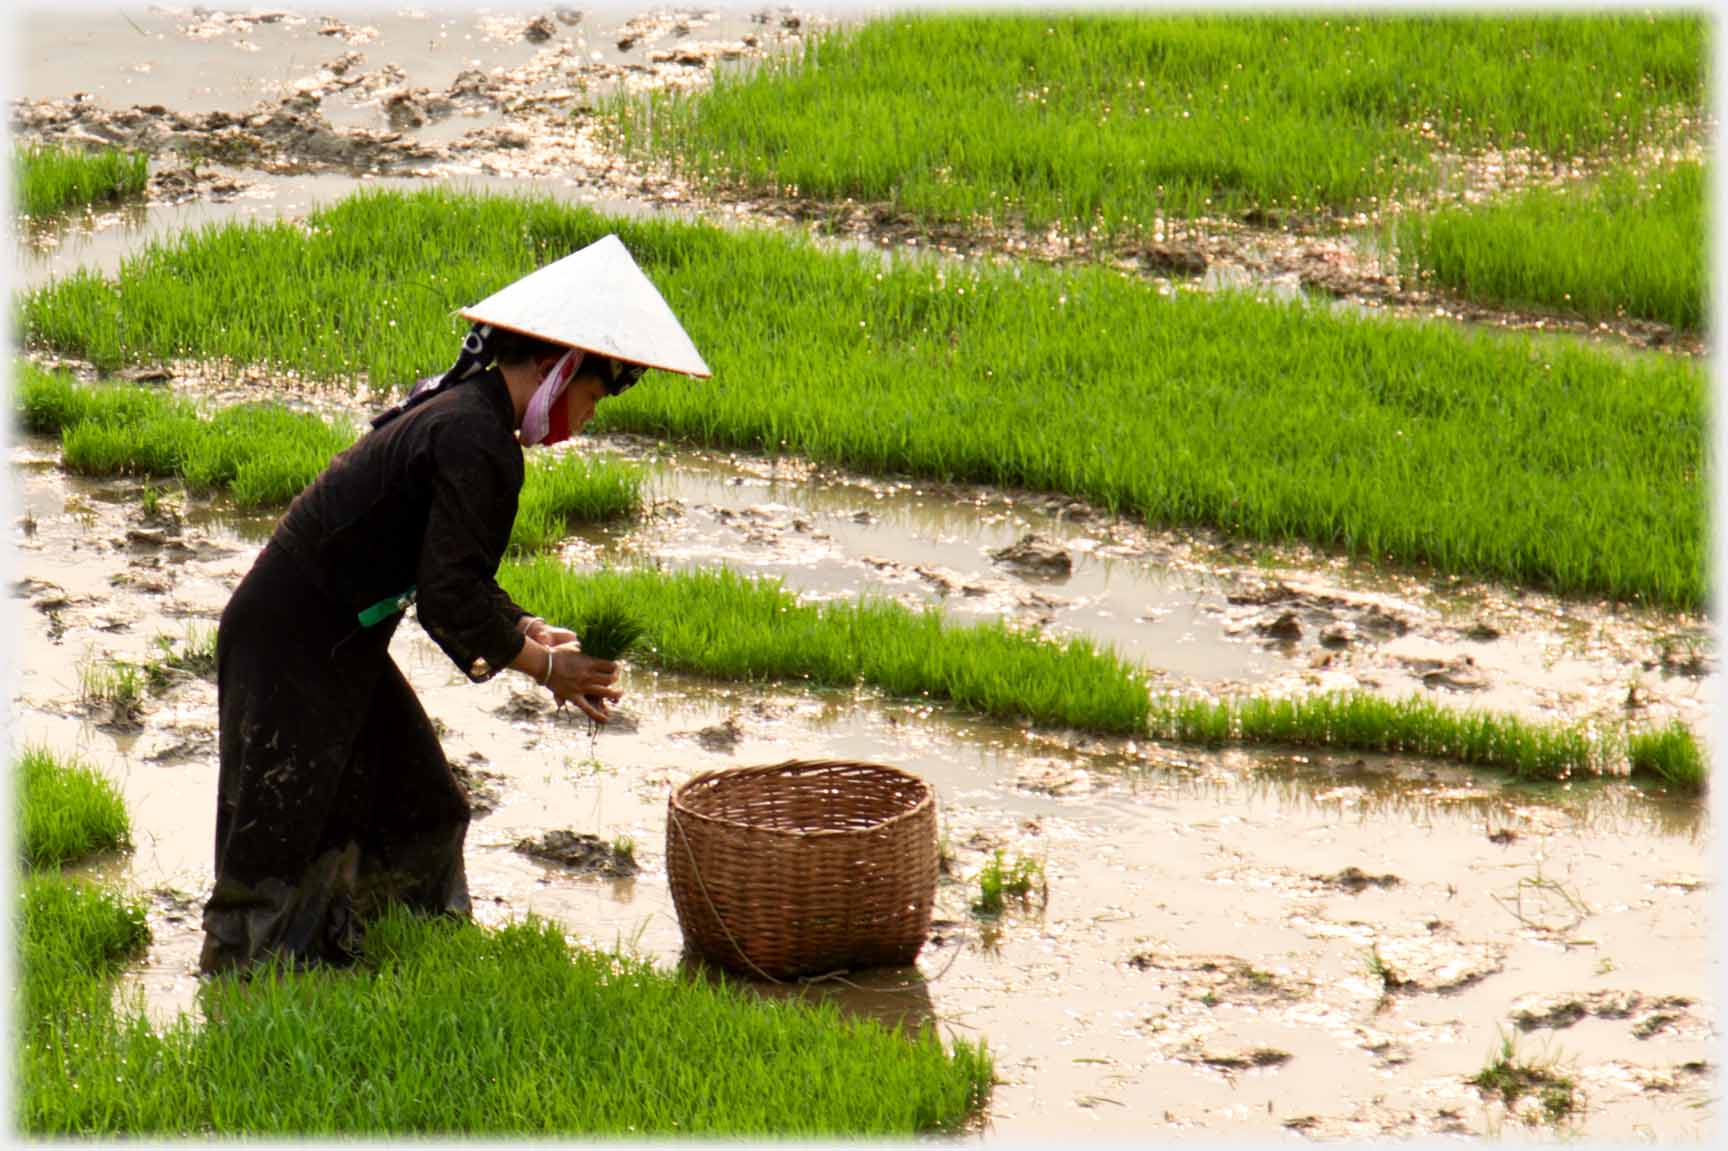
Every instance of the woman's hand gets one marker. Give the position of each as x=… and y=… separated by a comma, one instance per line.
x=544, y=633
x=583, y=680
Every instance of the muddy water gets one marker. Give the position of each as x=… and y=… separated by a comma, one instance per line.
x=1197, y=921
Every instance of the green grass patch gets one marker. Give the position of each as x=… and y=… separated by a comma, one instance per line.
x=1669, y=754
x=1001, y=881
x=1111, y=121
x=1628, y=244
x=1490, y=456
x=48, y=178
x=66, y=810
x=450, y=1029
x=1358, y=721
x=73, y=938
x=262, y=455
x=721, y=624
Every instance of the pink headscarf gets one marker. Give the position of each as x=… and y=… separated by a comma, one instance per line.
x=537, y=420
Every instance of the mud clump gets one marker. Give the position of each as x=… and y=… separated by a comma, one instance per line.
x=1173, y=260
x=1355, y=880
x=1233, y=1061
x=481, y=786
x=1032, y=554
x=1435, y=964
x=1217, y=979
x=539, y=30
x=1337, y=636
x=1457, y=674
x=721, y=737
x=1263, y=595
x=1285, y=629
x=1558, y=1012
x=582, y=852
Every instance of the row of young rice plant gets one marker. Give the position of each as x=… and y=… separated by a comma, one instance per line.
x=1112, y=121
x=50, y=178
x=1631, y=243
x=718, y=623
x=444, y=1029
x=1359, y=721
x=1480, y=454
x=264, y=454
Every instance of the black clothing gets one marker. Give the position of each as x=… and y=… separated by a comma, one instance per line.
x=334, y=794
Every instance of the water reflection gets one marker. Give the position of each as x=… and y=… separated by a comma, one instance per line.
x=895, y=997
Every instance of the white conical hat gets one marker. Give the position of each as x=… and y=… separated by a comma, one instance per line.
x=598, y=300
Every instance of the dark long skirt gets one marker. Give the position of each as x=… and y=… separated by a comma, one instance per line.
x=334, y=796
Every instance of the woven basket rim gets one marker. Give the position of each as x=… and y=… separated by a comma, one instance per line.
x=675, y=801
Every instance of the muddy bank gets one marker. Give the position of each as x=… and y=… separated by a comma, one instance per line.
x=407, y=93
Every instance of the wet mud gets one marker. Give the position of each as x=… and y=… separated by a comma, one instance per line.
x=1241, y=944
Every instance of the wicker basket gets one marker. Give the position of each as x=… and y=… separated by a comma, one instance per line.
x=804, y=867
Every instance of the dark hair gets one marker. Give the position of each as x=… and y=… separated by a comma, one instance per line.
x=509, y=348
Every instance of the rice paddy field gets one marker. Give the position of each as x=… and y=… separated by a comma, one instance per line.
x=1118, y=120
x=1252, y=466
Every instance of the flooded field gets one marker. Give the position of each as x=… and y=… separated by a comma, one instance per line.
x=1242, y=944
x=1203, y=910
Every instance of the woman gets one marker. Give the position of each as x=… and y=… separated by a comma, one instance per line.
x=334, y=795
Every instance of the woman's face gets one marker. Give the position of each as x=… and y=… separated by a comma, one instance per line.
x=583, y=395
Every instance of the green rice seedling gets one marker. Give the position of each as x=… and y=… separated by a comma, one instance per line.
x=1359, y=721
x=610, y=631
x=455, y=1030
x=1511, y=1078
x=51, y=179
x=1669, y=754
x=1632, y=243
x=1109, y=123
x=196, y=654
x=722, y=624
x=1000, y=882
x=66, y=810
x=569, y=489
x=116, y=684
x=1486, y=455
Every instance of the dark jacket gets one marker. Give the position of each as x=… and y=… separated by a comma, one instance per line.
x=426, y=501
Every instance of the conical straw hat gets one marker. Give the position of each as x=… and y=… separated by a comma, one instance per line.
x=598, y=300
